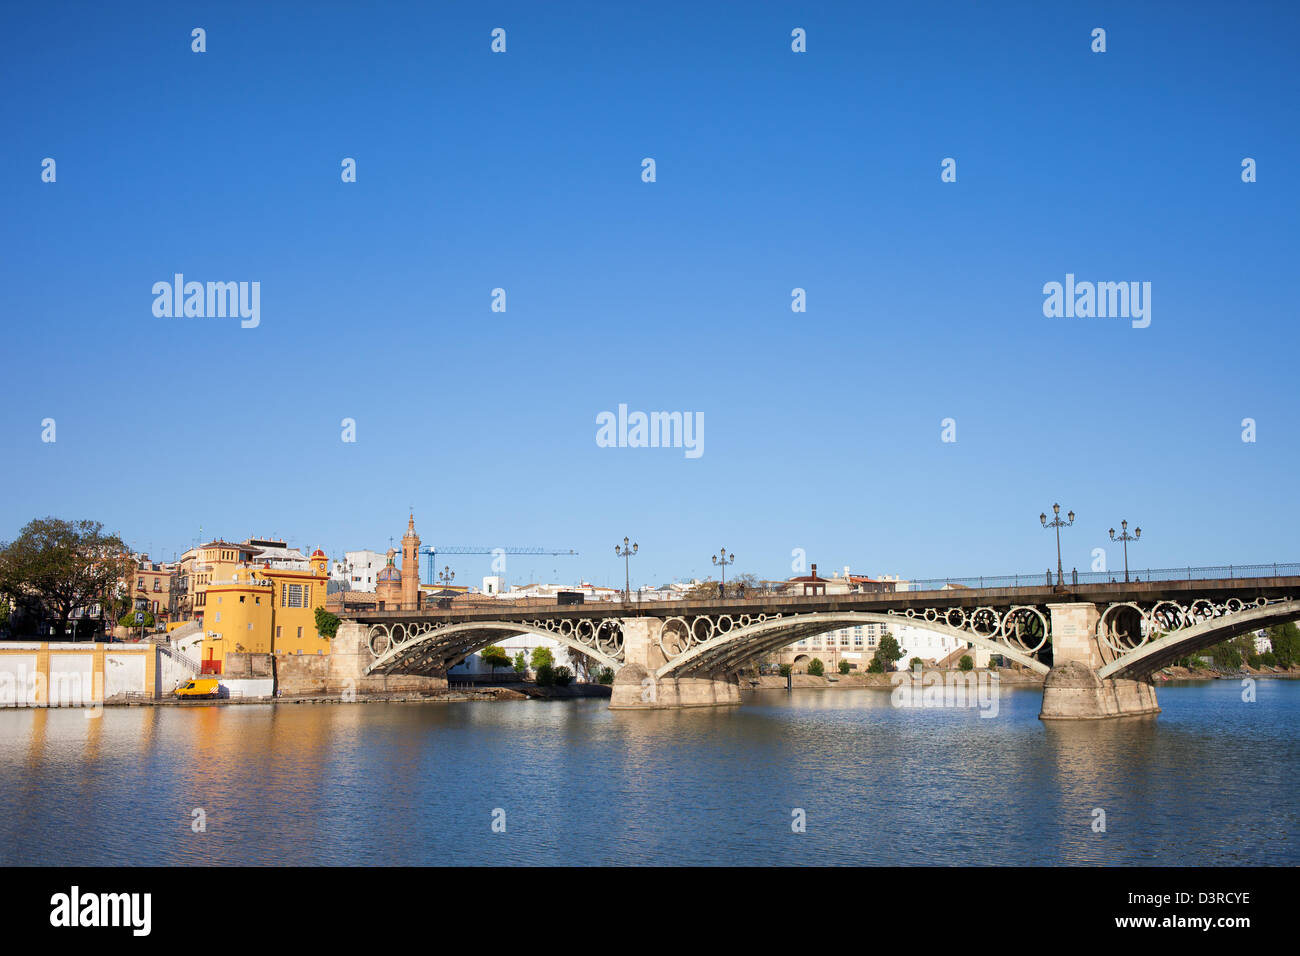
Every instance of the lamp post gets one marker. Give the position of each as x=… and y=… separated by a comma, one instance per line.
x=1058, y=524
x=721, y=560
x=446, y=576
x=1126, y=538
x=626, y=554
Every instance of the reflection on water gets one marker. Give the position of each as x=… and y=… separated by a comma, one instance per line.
x=1209, y=781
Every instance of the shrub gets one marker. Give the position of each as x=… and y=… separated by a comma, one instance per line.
x=787, y=669
x=128, y=619
x=966, y=663
x=545, y=675
x=605, y=676
x=875, y=667
x=1268, y=659
x=562, y=676
x=844, y=667
x=816, y=668
x=327, y=624
x=914, y=663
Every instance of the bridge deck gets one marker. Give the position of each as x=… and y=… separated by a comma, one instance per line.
x=491, y=609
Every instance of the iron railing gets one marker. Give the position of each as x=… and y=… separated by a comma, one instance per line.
x=1136, y=575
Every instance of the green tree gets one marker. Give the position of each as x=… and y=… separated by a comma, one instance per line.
x=914, y=663
x=875, y=667
x=889, y=652
x=544, y=674
x=542, y=656
x=1286, y=643
x=965, y=663
x=605, y=676
x=327, y=624
x=816, y=668
x=563, y=676
x=1226, y=655
x=64, y=565
x=786, y=670
x=844, y=667
x=494, y=657
x=520, y=663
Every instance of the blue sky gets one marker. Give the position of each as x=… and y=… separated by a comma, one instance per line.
x=775, y=170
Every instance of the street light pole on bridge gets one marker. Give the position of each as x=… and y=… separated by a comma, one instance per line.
x=626, y=554
x=720, y=560
x=1126, y=538
x=1058, y=524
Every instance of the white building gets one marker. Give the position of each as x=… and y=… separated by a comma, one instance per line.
x=359, y=570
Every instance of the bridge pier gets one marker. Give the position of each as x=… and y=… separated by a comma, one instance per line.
x=1073, y=691
x=637, y=688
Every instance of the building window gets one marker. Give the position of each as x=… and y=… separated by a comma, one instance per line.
x=293, y=595
x=278, y=629
x=218, y=617
x=300, y=636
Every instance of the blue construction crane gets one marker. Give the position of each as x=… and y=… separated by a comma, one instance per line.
x=433, y=553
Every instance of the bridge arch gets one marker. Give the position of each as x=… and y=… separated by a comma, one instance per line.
x=438, y=649
x=731, y=650
x=1153, y=655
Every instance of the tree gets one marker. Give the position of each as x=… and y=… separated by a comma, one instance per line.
x=816, y=668
x=563, y=676
x=786, y=670
x=495, y=657
x=1286, y=643
x=64, y=565
x=889, y=652
x=544, y=674
x=965, y=663
x=844, y=666
x=542, y=657
x=914, y=663
x=327, y=624
x=520, y=663
x=605, y=676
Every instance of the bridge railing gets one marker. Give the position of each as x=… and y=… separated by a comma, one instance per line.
x=1136, y=575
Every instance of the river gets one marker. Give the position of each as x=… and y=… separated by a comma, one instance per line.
x=1209, y=781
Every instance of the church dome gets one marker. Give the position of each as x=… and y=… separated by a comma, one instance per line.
x=389, y=573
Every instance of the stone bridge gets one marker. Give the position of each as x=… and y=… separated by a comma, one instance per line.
x=1096, y=645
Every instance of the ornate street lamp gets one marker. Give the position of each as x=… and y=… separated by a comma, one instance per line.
x=721, y=560
x=1058, y=524
x=446, y=576
x=1126, y=538
x=626, y=554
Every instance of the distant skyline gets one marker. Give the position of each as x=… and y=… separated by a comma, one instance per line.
x=822, y=430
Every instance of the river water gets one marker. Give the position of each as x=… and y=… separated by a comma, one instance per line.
x=1211, y=781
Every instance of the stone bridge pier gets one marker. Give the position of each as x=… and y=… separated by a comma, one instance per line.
x=636, y=686
x=1072, y=690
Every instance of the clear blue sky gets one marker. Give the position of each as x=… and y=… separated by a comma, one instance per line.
x=775, y=170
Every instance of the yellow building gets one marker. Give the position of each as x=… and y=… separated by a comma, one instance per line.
x=264, y=610
x=214, y=561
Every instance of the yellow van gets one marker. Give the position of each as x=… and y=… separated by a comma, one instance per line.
x=199, y=687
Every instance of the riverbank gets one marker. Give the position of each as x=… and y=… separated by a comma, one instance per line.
x=519, y=691
x=1210, y=673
